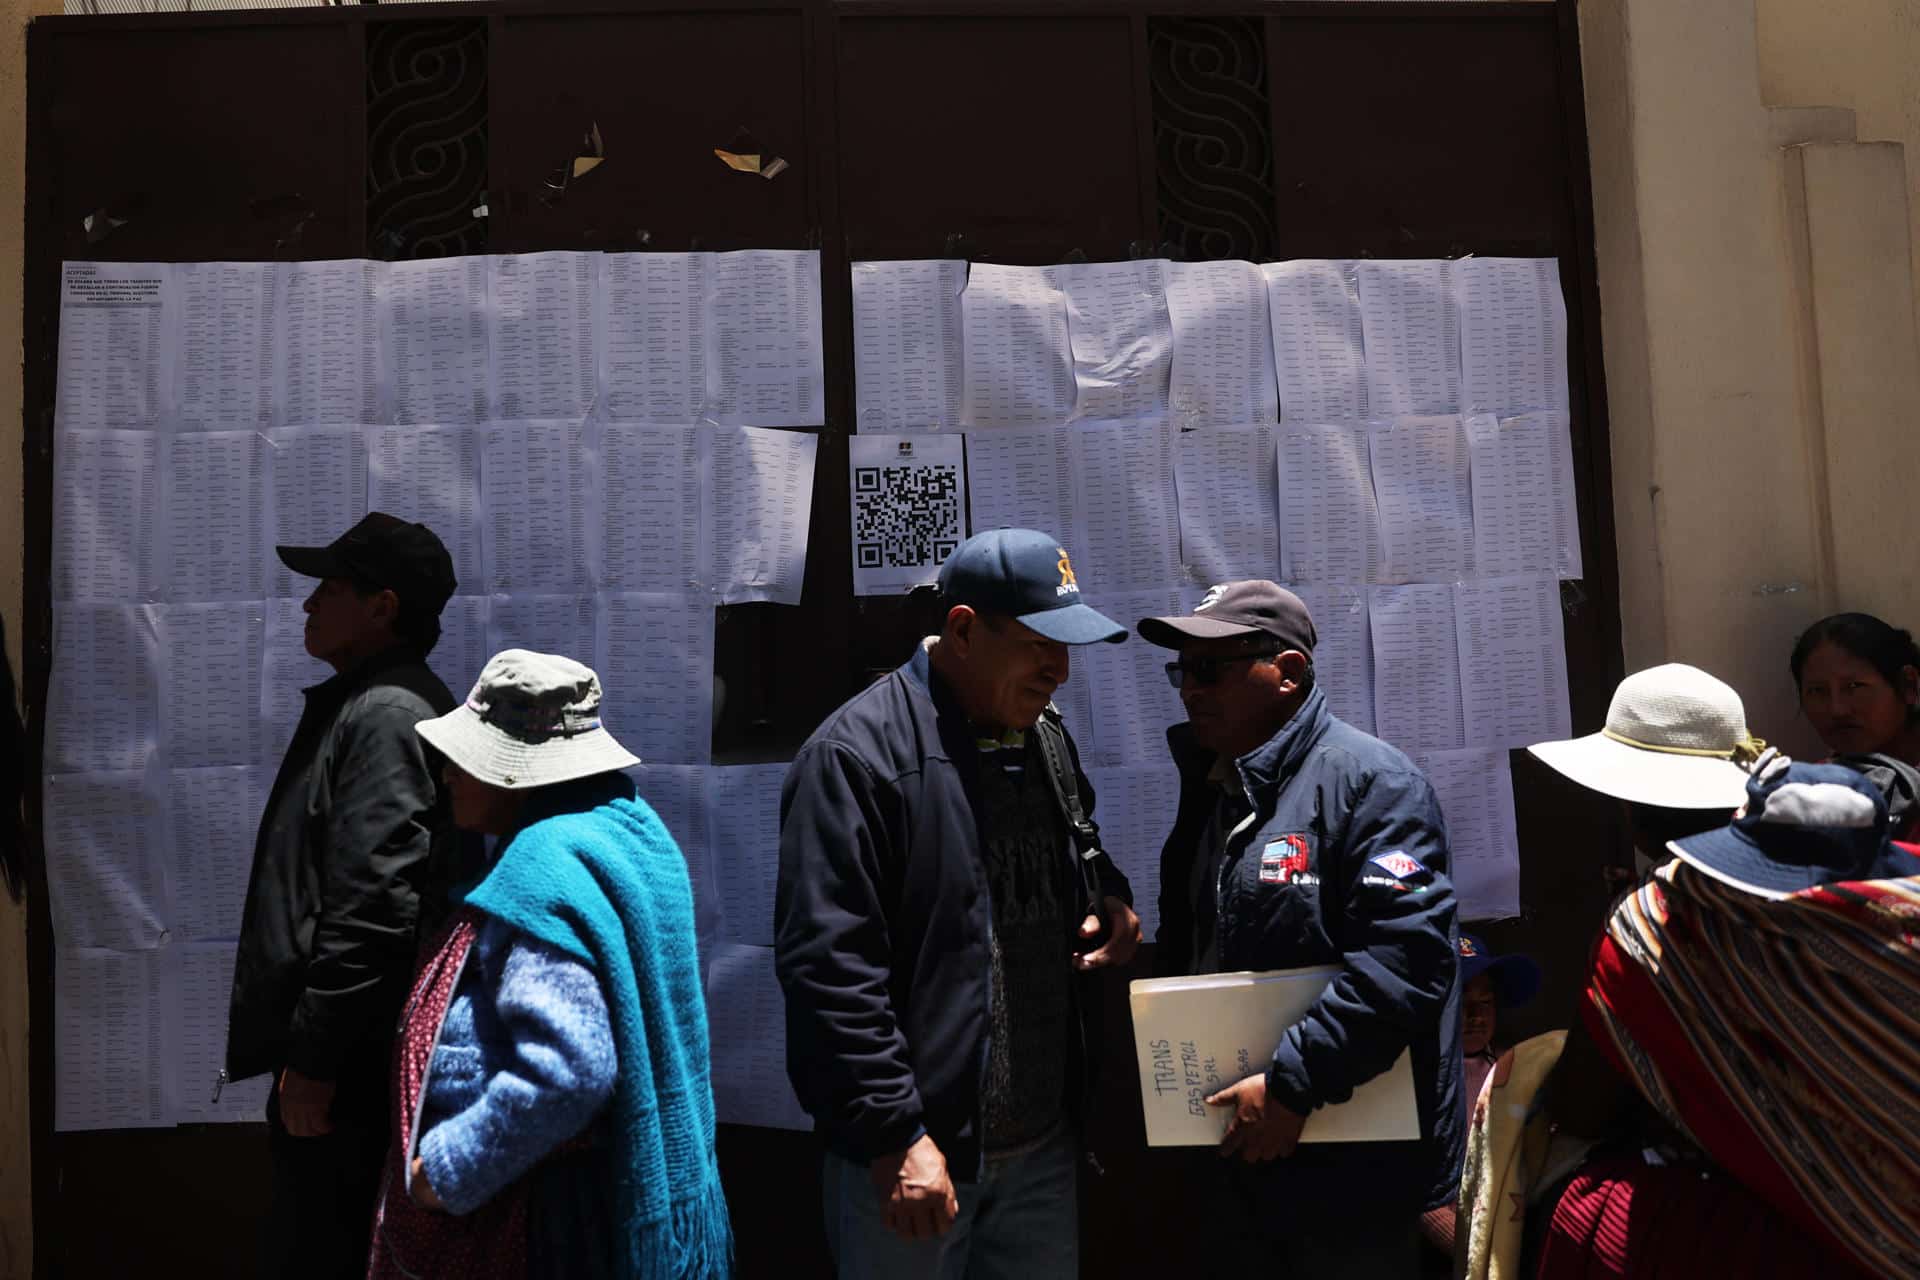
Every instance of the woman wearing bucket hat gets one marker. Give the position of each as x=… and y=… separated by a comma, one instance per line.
x=554, y=1115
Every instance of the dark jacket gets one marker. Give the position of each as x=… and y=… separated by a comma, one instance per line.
x=350, y=830
x=881, y=923
x=1342, y=862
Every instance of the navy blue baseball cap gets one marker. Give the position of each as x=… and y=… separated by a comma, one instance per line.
x=1515, y=978
x=1803, y=825
x=1025, y=574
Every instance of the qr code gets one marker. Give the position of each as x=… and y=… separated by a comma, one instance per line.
x=906, y=517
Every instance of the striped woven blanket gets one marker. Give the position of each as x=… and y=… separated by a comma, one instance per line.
x=1784, y=1038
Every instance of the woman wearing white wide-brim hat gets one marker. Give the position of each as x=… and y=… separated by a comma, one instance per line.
x=556, y=1116
x=1674, y=751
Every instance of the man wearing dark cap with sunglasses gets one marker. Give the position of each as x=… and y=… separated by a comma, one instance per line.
x=935, y=925
x=352, y=826
x=1302, y=841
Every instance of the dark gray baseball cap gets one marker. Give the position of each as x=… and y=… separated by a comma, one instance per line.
x=1238, y=609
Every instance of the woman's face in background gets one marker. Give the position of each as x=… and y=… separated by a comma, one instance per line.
x=1850, y=704
x=492, y=811
x=1478, y=1012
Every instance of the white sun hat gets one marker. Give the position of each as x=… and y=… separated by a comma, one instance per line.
x=533, y=719
x=1675, y=737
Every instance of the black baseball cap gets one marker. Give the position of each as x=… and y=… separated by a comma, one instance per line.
x=1238, y=609
x=1026, y=574
x=406, y=558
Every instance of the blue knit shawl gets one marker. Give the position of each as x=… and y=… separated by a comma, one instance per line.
x=606, y=884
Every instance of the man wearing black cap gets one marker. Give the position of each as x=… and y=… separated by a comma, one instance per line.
x=935, y=919
x=1302, y=841
x=327, y=942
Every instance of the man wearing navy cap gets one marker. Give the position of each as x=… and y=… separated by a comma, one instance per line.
x=353, y=825
x=933, y=926
x=1302, y=841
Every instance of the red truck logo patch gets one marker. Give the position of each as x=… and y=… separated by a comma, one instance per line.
x=1287, y=860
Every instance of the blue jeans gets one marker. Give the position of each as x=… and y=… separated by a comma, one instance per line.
x=1019, y=1222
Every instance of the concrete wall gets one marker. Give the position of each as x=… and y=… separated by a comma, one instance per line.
x=1757, y=315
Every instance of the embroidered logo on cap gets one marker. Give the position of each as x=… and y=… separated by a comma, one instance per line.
x=1069, y=585
x=1212, y=598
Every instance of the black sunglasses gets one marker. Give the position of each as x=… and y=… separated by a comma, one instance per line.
x=1209, y=670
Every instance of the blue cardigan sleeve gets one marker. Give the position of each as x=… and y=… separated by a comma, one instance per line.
x=558, y=1070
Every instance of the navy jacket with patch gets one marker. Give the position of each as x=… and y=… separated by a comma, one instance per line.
x=1343, y=862
x=881, y=922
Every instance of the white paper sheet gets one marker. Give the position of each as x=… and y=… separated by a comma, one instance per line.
x=212, y=655
x=1425, y=498
x=431, y=475
x=115, y=367
x=650, y=508
x=213, y=817
x=1019, y=361
x=105, y=842
x=194, y=996
x=224, y=342
x=435, y=319
x=329, y=359
x=1329, y=525
x=319, y=479
x=765, y=366
x=216, y=546
x=1513, y=334
x=1222, y=345
x=1126, y=684
x=1475, y=790
x=286, y=668
x=653, y=337
x=1411, y=336
x=107, y=1051
x=106, y=497
x=909, y=504
x=908, y=358
x=1513, y=661
x=462, y=650
x=1317, y=352
x=544, y=362
x=1524, y=516
x=1121, y=338
x=1226, y=481
x=745, y=822
x=1134, y=809
x=1416, y=668
x=544, y=624
x=103, y=705
x=536, y=479
x=1020, y=480
x=678, y=794
x=1127, y=535
x=748, y=1029
x=1343, y=658
x=756, y=502
x=655, y=660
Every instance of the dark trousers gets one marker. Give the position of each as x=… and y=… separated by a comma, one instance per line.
x=320, y=1221
x=1251, y=1234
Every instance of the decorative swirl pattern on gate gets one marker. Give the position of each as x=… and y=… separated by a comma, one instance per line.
x=426, y=138
x=1212, y=133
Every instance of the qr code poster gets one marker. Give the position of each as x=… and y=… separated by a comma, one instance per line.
x=909, y=509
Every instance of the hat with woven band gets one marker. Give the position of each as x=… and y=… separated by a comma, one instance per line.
x=533, y=719
x=1675, y=737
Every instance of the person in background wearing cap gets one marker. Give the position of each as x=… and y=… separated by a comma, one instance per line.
x=553, y=1085
x=1302, y=841
x=328, y=937
x=1488, y=983
x=931, y=922
x=1757, y=995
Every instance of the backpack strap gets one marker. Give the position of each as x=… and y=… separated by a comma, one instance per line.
x=1052, y=736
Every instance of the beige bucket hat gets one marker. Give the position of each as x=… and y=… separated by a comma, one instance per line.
x=1675, y=737
x=533, y=719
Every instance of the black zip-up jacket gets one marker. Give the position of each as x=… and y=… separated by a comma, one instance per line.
x=881, y=924
x=1343, y=861
x=350, y=831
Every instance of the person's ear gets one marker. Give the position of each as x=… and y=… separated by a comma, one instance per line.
x=1293, y=670
x=1910, y=686
x=958, y=629
x=386, y=606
